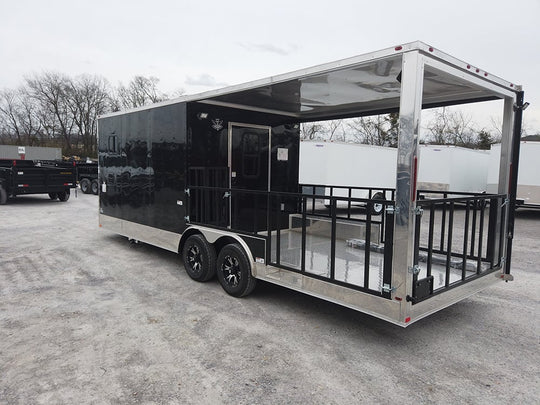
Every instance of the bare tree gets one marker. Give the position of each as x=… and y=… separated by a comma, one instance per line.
x=451, y=128
x=19, y=116
x=139, y=92
x=310, y=131
x=50, y=90
x=378, y=130
x=88, y=97
x=335, y=130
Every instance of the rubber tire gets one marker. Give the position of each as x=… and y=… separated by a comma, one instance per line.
x=95, y=187
x=245, y=282
x=206, y=254
x=53, y=196
x=63, y=195
x=377, y=209
x=85, y=186
x=3, y=196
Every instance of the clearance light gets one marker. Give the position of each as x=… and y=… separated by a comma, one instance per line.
x=431, y=49
x=398, y=48
x=408, y=319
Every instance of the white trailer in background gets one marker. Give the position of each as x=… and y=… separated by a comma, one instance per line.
x=441, y=168
x=451, y=168
x=528, y=187
x=340, y=164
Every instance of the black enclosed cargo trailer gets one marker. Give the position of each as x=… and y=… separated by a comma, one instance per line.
x=20, y=177
x=214, y=177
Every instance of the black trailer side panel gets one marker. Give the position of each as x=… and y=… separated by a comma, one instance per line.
x=252, y=165
x=142, y=161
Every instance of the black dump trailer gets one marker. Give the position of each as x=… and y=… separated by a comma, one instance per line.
x=87, y=176
x=86, y=173
x=215, y=178
x=21, y=177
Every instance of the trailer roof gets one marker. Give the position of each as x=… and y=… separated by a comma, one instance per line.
x=362, y=85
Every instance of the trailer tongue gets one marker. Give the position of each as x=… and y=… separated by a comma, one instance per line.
x=215, y=178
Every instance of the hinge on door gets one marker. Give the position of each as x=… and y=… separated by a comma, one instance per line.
x=418, y=210
x=387, y=288
x=226, y=194
x=506, y=201
x=186, y=191
x=186, y=218
x=392, y=210
x=414, y=269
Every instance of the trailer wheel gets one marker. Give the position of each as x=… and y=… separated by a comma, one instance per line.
x=234, y=271
x=3, y=196
x=95, y=187
x=377, y=208
x=85, y=186
x=53, y=196
x=199, y=258
x=63, y=195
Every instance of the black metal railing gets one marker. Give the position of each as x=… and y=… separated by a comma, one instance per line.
x=350, y=201
x=458, y=237
x=293, y=231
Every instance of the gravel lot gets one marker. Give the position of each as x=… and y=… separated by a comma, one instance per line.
x=87, y=318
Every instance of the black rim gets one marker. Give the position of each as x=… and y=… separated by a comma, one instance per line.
x=194, y=258
x=231, y=271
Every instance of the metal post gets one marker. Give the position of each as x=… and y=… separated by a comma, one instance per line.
x=409, y=127
x=516, y=141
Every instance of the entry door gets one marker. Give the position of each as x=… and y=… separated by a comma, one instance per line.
x=249, y=167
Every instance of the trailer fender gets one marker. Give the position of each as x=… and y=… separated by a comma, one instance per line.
x=220, y=238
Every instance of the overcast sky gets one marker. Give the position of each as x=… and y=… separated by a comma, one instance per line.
x=206, y=44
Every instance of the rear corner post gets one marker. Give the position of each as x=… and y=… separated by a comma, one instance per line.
x=407, y=163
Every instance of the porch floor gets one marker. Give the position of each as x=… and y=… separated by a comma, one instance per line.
x=350, y=261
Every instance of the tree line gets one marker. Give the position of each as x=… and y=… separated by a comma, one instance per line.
x=53, y=109
x=56, y=110
x=447, y=126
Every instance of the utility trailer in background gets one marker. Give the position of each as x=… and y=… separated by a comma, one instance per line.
x=452, y=168
x=528, y=187
x=348, y=170
x=214, y=177
x=22, y=177
x=86, y=173
x=368, y=171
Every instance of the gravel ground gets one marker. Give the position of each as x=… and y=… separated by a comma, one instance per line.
x=87, y=318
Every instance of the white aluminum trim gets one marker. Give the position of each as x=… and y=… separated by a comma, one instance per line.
x=452, y=296
x=373, y=305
